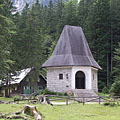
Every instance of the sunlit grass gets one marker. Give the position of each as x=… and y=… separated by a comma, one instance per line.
x=74, y=111
x=6, y=99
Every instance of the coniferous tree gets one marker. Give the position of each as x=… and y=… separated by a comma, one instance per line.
x=38, y=28
x=115, y=88
x=115, y=30
x=70, y=12
x=101, y=38
x=6, y=34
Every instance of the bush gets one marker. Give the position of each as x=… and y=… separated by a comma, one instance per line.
x=105, y=90
x=46, y=91
x=110, y=104
x=16, y=98
x=106, y=104
x=115, y=88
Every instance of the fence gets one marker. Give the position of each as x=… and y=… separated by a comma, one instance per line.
x=66, y=99
x=83, y=100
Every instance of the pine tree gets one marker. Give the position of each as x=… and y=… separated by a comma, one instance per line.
x=115, y=29
x=70, y=12
x=101, y=38
x=6, y=35
x=116, y=69
x=115, y=88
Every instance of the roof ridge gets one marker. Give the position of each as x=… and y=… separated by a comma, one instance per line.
x=70, y=46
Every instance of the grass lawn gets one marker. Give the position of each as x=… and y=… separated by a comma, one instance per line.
x=6, y=99
x=74, y=111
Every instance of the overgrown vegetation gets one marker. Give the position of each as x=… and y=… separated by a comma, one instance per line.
x=111, y=104
x=115, y=88
x=28, y=39
x=46, y=91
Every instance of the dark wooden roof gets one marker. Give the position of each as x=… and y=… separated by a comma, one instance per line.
x=71, y=50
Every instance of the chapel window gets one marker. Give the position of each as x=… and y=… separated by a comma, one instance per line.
x=60, y=76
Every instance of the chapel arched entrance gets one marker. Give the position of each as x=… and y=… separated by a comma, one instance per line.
x=79, y=80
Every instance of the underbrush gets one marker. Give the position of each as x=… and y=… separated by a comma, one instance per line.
x=111, y=104
x=46, y=91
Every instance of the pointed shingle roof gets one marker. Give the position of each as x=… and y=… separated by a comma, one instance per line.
x=71, y=50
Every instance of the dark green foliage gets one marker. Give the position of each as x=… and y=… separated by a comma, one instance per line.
x=110, y=104
x=106, y=103
x=16, y=99
x=116, y=69
x=7, y=32
x=47, y=92
x=28, y=39
x=115, y=88
x=105, y=90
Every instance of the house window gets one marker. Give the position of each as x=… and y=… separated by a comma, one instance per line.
x=66, y=76
x=25, y=87
x=60, y=76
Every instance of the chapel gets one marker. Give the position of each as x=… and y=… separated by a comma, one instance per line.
x=71, y=65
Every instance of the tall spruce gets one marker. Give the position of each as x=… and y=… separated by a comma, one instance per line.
x=38, y=29
x=6, y=35
x=101, y=38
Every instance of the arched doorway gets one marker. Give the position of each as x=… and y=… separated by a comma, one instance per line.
x=80, y=80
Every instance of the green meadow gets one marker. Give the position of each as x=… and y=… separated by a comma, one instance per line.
x=74, y=111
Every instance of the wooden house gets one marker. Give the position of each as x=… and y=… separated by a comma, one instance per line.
x=21, y=83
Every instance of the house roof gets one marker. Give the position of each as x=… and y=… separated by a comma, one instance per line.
x=20, y=75
x=71, y=50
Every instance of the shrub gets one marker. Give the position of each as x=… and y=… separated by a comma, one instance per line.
x=106, y=103
x=115, y=88
x=110, y=104
x=16, y=98
x=105, y=90
x=46, y=91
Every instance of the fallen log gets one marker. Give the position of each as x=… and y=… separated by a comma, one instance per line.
x=16, y=117
x=27, y=109
x=45, y=100
x=2, y=102
x=31, y=110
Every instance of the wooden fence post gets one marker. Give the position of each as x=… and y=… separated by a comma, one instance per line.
x=66, y=101
x=83, y=100
x=114, y=98
x=99, y=99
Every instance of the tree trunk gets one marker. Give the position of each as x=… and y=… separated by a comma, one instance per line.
x=6, y=90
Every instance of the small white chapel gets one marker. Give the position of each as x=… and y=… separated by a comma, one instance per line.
x=72, y=66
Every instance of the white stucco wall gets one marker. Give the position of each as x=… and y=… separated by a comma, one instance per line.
x=56, y=84
x=94, y=79
x=87, y=72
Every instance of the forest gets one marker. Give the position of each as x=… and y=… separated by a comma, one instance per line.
x=28, y=38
